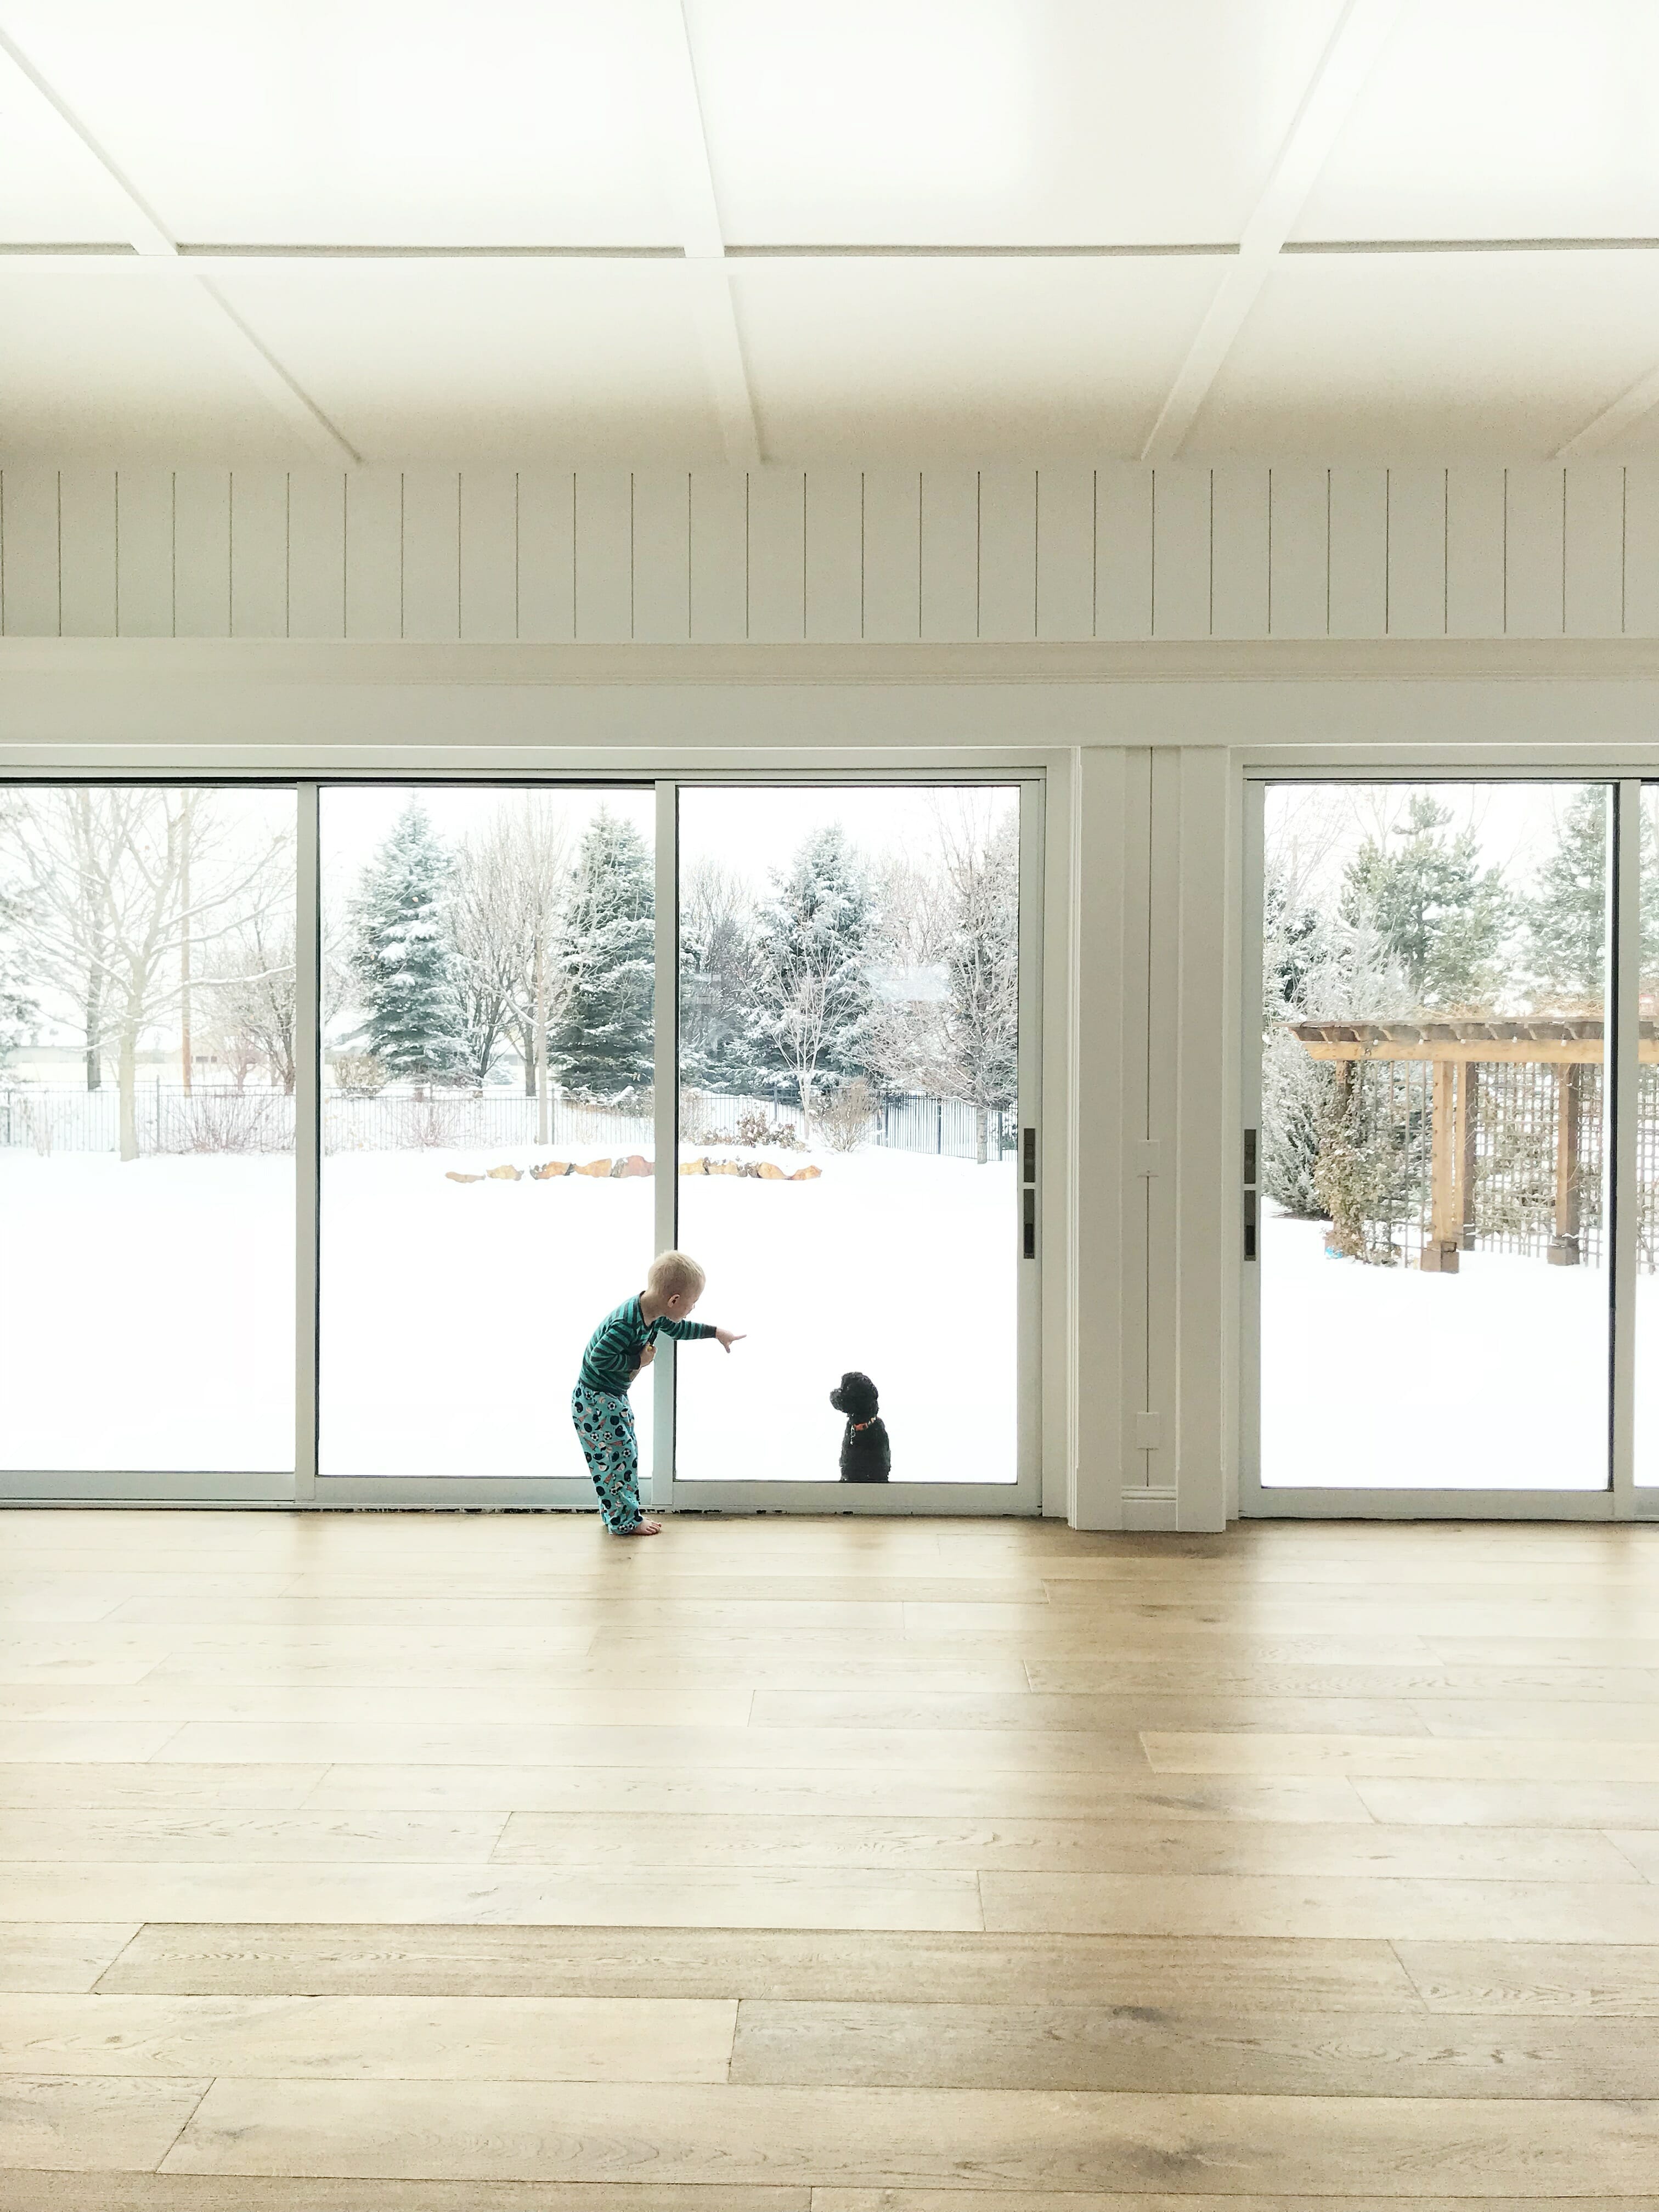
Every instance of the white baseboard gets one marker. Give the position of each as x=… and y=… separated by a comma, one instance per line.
x=1152, y=1505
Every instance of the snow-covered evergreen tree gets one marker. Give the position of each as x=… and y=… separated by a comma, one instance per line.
x=17, y=1005
x=981, y=1019
x=717, y=967
x=403, y=956
x=602, y=1042
x=1567, y=917
x=812, y=987
x=1438, y=913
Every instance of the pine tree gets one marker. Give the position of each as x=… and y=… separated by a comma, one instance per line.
x=18, y=1005
x=1568, y=915
x=717, y=966
x=812, y=987
x=603, y=1042
x=402, y=957
x=1437, y=911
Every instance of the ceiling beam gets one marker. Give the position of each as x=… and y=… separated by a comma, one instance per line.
x=1361, y=29
x=23, y=86
x=689, y=177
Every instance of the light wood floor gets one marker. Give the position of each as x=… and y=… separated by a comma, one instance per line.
x=400, y=1863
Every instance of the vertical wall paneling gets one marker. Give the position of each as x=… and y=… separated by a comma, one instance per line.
x=1595, y=555
x=662, y=556
x=490, y=554
x=835, y=555
x=1358, y=588
x=1238, y=555
x=1474, y=551
x=1416, y=552
x=258, y=552
x=1641, y=549
x=1108, y=788
x=1065, y=553
x=950, y=554
x=316, y=552
x=201, y=552
x=1134, y=1049
x=1165, y=894
x=29, y=601
x=1535, y=551
x=720, y=556
x=1124, y=550
x=547, y=556
x=1181, y=550
x=604, y=555
x=431, y=537
x=86, y=507
x=374, y=553
x=1298, y=551
x=892, y=554
x=143, y=552
x=1007, y=552
x=777, y=555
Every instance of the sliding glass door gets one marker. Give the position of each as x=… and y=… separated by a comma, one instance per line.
x=850, y=1156
x=334, y=1118
x=147, y=1059
x=1434, y=1215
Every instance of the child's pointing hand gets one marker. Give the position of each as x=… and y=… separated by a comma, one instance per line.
x=726, y=1338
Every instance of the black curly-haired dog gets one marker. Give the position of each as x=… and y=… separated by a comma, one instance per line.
x=866, y=1455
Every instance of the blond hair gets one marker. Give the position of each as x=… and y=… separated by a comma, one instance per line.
x=675, y=1275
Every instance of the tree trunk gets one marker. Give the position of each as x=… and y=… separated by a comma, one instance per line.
x=982, y=1134
x=94, y=1035
x=183, y=954
x=540, y=1042
x=127, y=1064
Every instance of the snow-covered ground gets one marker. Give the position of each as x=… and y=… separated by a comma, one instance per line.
x=1494, y=1378
x=147, y=1313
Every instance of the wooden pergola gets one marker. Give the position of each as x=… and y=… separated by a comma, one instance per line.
x=1455, y=1050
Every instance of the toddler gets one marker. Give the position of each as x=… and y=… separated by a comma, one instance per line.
x=623, y=1343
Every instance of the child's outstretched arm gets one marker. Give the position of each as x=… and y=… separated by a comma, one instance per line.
x=689, y=1332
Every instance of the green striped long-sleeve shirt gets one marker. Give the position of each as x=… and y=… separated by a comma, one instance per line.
x=612, y=1357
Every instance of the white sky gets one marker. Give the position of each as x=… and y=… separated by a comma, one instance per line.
x=1516, y=824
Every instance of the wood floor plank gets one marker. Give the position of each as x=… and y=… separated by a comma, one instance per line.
x=167, y=1698
x=1111, y=1846
x=1544, y=1718
x=1050, y=2200
x=195, y=1836
x=886, y=1791
x=1168, y=2051
x=1222, y=1975
x=65, y=1956
x=1458, y=1758
x=28, y=1743
x=1545, y=1980
x=377, y=2038
x=534, y=1742
x=205, y=2192
x=529, y=1614
x=1190, y=1674
x=112, y=1784
x=1392, y=1910
x=517, y=1671
x=390, y=1891
x=1557, y=1805
x=923, y=2138
x=1070, y=1712
x=93, y=2123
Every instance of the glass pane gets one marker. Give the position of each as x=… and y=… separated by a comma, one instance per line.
x=1647, y=1152
x=849, y=978
x=488, y=974
x=147, y=1129
x=1435, y=1298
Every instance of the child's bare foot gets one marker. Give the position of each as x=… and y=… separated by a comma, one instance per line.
x=641, y=1528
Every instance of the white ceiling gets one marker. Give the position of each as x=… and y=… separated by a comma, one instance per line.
x=988, y=202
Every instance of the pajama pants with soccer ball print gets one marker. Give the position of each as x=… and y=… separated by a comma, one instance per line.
x=604, y=1430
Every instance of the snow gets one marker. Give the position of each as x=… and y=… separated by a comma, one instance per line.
x=1494, y=1378
x=147, y=1313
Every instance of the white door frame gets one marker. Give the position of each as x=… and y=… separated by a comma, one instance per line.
x=1621, y=1500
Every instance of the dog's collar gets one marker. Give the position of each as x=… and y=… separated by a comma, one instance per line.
x=858, y=1427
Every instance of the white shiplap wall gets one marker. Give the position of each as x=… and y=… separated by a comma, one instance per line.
x=834, y=554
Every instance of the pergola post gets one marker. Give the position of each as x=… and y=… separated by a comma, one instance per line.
x=1563, y=1246
x=1440, y=1253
